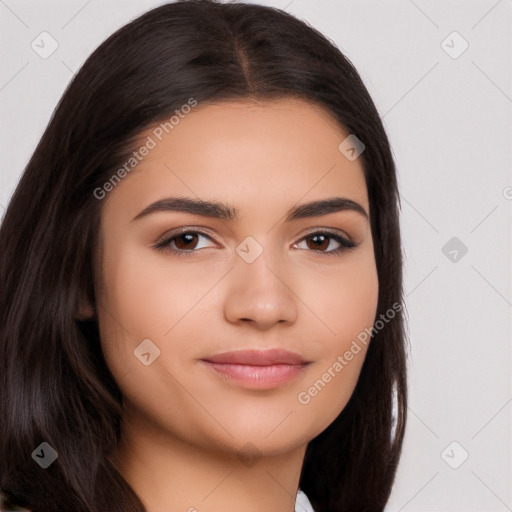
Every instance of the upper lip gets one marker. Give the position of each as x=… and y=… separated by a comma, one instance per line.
x=258, y=357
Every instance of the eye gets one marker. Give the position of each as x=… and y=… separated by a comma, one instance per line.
x=319, y=241
x=184, y=243
x=187, y=242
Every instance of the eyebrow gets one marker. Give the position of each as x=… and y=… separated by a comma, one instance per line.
x=225, y=211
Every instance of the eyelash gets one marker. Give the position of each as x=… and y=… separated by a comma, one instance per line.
x=345, y=244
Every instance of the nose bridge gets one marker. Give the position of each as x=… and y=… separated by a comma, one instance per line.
x=259, y=289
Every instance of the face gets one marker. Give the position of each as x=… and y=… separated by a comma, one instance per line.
x=262, y=272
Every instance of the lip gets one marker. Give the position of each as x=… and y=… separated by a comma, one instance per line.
x=257, y=369
x=258, y=357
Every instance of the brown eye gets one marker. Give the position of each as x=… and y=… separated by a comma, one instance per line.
x=186, y=241
x=321, y=241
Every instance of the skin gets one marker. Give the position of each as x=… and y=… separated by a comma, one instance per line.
x=184, y=428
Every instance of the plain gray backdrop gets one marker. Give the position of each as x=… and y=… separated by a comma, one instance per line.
x=440, y=75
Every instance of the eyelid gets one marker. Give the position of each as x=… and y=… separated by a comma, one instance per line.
x=333, y=231
x=173, y=233
x=204, y=231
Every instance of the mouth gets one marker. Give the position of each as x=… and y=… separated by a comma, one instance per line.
x=257, y=369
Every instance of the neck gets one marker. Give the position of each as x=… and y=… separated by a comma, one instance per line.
x=170, y=474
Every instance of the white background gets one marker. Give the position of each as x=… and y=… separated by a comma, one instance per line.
x=449, y=124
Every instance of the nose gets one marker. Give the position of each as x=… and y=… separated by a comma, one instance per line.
x=259, y=293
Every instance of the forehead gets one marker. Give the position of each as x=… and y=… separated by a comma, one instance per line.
x=245, y=152
x=268, y=122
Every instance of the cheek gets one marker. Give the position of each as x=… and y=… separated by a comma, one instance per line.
x=147, y=294
x=346, y=303
x=344, y=300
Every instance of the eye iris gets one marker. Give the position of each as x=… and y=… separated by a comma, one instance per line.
x=187, y=238
x=324, y=240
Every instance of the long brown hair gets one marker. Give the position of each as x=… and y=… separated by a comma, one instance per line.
x=55, y=384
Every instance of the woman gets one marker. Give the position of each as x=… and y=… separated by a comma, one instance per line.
x=202, y=282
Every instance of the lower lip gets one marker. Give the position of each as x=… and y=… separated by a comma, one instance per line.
x=258, y=377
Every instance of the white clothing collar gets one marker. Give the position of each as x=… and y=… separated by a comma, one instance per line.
x=302, y=504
